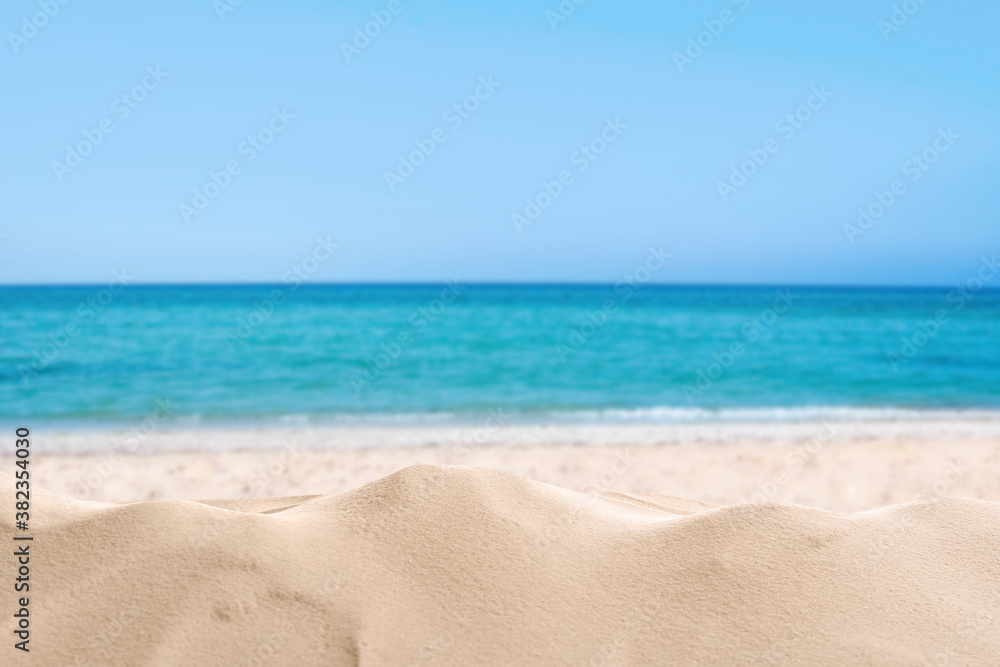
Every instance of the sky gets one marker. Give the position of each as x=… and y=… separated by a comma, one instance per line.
x=522, y=141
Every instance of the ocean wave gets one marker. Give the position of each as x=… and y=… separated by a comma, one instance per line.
x=681, y=415
x=658, y=415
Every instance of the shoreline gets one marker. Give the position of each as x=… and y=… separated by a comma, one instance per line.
x=661, y=416
x=492, y=430
x=847, y=467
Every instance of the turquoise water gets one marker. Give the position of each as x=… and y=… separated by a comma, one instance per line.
x=223, y=354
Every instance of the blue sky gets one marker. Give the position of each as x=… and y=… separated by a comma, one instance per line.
x=554, y=86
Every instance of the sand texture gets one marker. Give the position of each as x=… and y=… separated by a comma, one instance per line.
x=846, y=467
x=449, y=565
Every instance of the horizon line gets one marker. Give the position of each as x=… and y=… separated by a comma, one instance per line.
x=479, y=283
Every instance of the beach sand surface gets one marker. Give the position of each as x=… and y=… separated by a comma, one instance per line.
x=847, y=467
x=455, y=565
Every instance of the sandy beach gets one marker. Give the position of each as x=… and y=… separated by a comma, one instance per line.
x=468, y=566
x=436, y=334
x=845, y=467
x=755, y=544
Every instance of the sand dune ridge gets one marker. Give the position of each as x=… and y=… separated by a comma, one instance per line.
x=442, y=565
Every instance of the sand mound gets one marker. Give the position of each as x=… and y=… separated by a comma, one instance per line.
x=467, y=566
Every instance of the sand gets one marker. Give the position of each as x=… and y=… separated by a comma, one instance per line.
x=847, y=467
x=449, y=565
x=749, y=544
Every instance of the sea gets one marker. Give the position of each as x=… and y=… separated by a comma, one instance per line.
x=104, y=355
